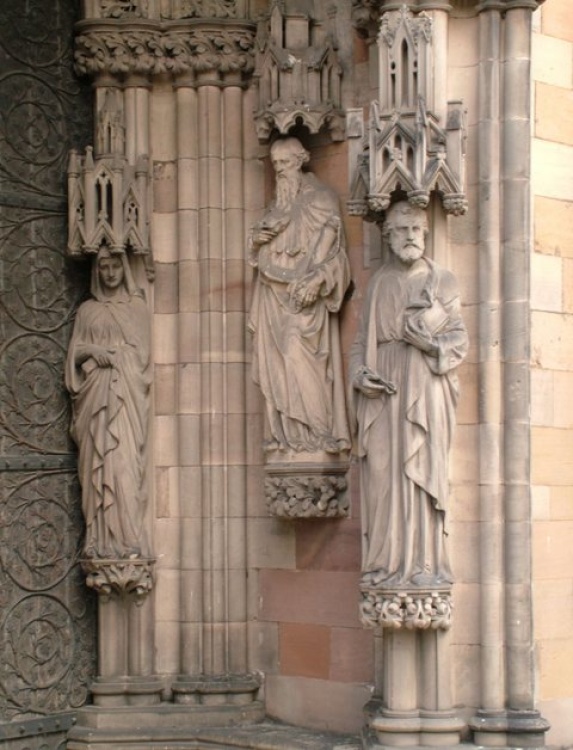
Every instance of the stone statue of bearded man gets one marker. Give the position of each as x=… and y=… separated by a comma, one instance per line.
x=298, y=248
x=403, y=372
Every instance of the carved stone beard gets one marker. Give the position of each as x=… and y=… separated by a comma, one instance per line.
x=288, y=186
x=409, y=253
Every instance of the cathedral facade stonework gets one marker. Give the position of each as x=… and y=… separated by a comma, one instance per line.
x=306, y=480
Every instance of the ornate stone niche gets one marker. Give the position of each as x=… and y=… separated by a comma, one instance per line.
x=298, y=72
x=409, y=149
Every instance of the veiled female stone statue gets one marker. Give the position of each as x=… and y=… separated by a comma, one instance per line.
x=108, y=376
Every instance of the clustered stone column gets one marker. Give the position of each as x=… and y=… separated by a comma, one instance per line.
x=109, y=375
x=211, y=143
x=402, y=369
x=198, y=67
x=507, y=714
x=399, y=709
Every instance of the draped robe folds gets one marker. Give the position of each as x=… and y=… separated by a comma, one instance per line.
x=404, y=439
x=109, y=424
x=296, y=350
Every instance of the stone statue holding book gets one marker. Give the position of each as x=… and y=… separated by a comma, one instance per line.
x=403, y=374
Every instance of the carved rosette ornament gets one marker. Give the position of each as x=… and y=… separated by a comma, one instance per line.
x=417, y=609
x=119, y=577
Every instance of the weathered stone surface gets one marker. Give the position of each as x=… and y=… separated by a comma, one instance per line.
x=108, y=376
x=299, y=250
x=411, y=339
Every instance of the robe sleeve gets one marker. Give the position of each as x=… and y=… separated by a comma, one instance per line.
x=452, y=340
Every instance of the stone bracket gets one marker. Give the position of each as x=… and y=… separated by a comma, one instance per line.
x=129, y=577
x=307, y=490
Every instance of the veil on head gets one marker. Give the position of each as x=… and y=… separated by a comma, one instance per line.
x=128, y=280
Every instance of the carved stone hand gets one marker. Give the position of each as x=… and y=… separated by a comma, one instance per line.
x=371, y=385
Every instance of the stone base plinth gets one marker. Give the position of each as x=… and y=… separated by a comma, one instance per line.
x=163, y=726
x=514, y=729
x=412, y=729
x=128, y=712
x=126, y=691
x=232, y=690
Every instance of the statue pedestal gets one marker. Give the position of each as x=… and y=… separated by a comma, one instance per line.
x=306, y=485
x=413, y=706
x=125, y=632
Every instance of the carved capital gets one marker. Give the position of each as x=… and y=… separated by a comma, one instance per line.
x=144, y=48
x=119, y=577
x=377, y=204
x=420, y=609
x=307, y=492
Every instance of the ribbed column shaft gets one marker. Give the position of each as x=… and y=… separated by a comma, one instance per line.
x=490, y=368
x=516, y=350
